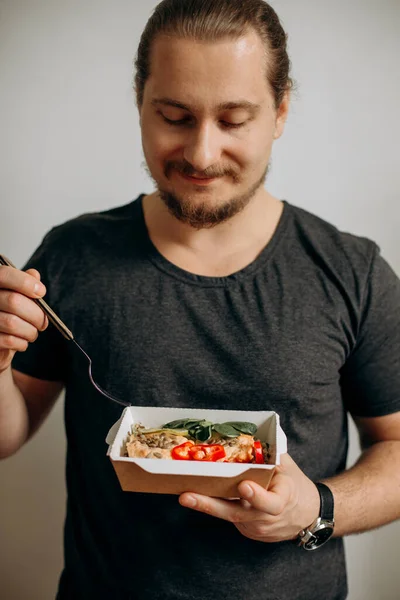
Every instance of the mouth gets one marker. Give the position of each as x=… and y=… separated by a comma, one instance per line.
x=203, y=181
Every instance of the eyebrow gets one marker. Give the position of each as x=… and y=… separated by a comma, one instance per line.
x=240, y=104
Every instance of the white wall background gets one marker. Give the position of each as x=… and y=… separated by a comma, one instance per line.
x=70, y=143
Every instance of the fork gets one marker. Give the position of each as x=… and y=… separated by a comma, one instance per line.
x=63, y=329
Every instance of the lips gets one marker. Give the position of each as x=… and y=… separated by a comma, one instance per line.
x=198, y=180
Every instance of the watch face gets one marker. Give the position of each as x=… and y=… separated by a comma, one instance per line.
x=323, y=535
x=319, y=536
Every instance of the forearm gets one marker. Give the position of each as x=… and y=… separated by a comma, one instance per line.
x=14, y=418
x=368, y=495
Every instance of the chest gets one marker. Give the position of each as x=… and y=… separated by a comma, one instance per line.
x=252, y=346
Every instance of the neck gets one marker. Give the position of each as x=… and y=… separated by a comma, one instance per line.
x=218, y=252
x=257, y=221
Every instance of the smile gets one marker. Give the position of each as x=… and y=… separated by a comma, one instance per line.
x=198, y=180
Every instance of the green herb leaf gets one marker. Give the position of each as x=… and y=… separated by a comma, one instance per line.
x=243, y=426
x=204, y=433
x=205, y=423
x=201, y=431
x=226, y=430
x=182, y=424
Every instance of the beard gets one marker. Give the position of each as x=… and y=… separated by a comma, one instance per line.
x=200, y=215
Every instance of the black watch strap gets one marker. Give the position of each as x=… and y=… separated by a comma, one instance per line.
x=327, y=502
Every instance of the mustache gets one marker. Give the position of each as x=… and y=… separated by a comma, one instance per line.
x=187, y=169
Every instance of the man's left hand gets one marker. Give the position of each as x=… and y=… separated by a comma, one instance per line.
x=278, y=513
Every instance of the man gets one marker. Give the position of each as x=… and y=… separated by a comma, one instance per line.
x=211, y=293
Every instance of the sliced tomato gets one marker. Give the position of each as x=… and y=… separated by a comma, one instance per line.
x=207, y=452
x=258, y=452
x=181, y=452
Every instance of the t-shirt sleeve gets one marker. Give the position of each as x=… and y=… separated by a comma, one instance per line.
x=370, y=378
x=46, y=357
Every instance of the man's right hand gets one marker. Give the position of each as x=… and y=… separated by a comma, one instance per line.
x=21, y=318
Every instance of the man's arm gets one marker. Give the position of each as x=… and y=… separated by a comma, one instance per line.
x=368, y=494
x=25, y=402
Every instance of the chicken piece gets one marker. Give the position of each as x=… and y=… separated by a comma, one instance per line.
x=138, y=449
x=157, y=445
x=240, y=449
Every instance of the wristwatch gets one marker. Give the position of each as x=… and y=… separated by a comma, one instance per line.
x=319, y=532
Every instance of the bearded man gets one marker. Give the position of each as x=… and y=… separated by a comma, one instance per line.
x=211, y=293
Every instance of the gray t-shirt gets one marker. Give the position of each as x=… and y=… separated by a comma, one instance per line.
x=310, y=329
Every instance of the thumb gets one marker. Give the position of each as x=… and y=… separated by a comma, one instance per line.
x=36, y=275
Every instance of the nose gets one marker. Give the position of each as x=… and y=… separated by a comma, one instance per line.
x=203, y=147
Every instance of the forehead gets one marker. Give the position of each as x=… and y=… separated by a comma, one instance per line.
x=209, y=73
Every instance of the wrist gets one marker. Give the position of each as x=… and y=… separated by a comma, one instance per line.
x=317, y=533
x=312, y=503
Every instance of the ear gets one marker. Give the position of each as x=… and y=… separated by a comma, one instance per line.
x=282, y=115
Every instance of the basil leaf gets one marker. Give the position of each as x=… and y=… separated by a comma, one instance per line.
x=195, y=432
x=204, y=433
x=201, y=431
x=182, y=424
x=243, y=426
x=205, y=423
x=225, y=430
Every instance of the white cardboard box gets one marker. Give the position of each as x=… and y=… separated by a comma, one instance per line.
x=178, y=476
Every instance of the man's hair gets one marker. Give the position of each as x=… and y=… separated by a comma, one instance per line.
x=214, y=20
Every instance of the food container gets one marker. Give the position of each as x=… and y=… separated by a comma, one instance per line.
x=161, y=476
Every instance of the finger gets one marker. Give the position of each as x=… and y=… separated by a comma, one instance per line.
x=211, y=506
x=10, y=342
x=19, y=305
x=13, y=325
x=24, y=283
x=34, y=273
x=271, y=501
x=228, y=510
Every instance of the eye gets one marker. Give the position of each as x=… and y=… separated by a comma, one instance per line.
x=229, y=125
x=187, y=121
x=176, y=122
